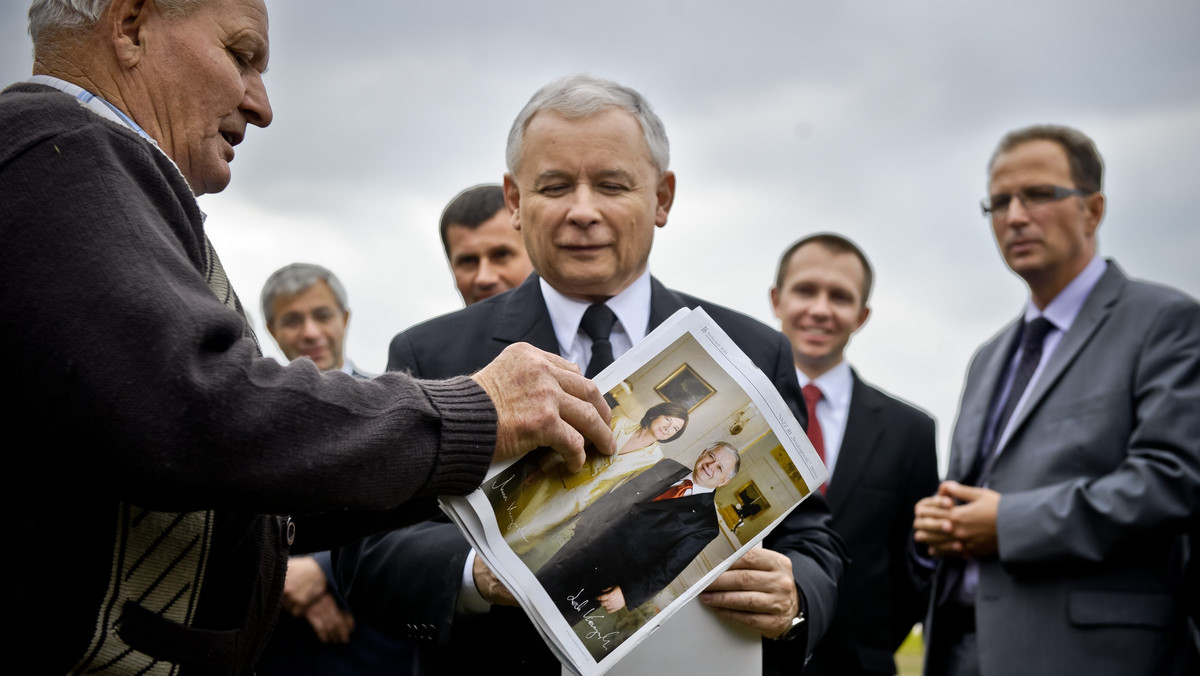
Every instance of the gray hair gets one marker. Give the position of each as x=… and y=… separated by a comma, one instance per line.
x=47, y=17
x=295, y=278
x=722, y=445
x=576, y=96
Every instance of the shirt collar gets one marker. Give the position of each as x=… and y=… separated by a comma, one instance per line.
x=1066, y=306
x=631, y=306
x=836, y=384
x=106, y=110
x=93, y=103
x=697, y=489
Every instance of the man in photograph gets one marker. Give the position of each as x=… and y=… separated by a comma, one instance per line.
x=587, y=187
x=629, y=544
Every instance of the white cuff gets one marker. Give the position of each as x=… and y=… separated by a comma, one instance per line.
x=470, y=601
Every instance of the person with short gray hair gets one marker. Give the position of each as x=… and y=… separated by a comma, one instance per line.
x=155, y=451
x=294, y=278
x=587, y=191
x=306, y=312
x=578, y=96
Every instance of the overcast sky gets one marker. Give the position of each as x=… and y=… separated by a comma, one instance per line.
x=871, y=119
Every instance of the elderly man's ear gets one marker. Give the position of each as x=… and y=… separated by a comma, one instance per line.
x=126, y=22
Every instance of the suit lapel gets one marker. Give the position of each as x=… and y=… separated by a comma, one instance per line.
x=977, y=399
x=663, y=304
x=525, y=319
x=1092, y=316
x=863, y=430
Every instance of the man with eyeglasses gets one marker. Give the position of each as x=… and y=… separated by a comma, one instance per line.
x=1075, y=461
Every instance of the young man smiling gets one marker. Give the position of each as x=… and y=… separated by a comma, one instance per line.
x=880, y=451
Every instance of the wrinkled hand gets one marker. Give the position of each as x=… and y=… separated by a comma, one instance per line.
x=330, y=623
x=304, y=584
x=612, y=600
x=489, y=586
x=542, y=400
x=758, y=591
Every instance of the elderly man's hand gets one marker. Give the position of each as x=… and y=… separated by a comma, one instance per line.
x=304, y=584
x=758, y=591
x=542, y=400
x=490, y=587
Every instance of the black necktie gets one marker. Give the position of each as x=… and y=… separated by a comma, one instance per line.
x=1034, y=335
x=597, y=323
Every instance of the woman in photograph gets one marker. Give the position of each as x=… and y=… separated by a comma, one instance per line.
x=551, y=496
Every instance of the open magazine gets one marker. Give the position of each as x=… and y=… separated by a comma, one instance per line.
x=708, y=460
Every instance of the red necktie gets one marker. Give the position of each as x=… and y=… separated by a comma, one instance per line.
x=675, y=491
x=812, y=394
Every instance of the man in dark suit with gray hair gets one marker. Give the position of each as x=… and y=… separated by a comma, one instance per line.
x=588, y=185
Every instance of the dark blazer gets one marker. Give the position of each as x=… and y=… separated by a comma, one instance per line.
x=886, y=463
x=295, y=650
x=627, y=540
x=410, y=578
x=1098, y=481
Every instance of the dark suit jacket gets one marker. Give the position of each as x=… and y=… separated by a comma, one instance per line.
x=295, y=650
x=887, y=462
x=1098, y=481
x=627, y=540
x=410, y=578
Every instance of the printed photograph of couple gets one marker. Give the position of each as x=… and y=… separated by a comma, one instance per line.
x=697, y=474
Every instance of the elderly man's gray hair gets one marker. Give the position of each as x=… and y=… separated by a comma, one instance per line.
x=297, y=277
x=579, y=95
x=73, y=15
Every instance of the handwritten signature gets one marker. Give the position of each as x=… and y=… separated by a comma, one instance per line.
x=512, y=519
x=590, y=617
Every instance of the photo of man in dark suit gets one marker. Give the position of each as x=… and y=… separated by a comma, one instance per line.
x=588, y=213
x=633, y=541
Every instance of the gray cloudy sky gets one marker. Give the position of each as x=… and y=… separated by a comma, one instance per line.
x=872, y=119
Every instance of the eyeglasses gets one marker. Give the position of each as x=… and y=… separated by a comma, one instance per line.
x=1029, y=197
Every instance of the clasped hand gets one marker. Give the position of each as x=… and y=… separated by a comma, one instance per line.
x=959, y=521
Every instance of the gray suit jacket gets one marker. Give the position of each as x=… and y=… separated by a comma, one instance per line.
x=1097, y=482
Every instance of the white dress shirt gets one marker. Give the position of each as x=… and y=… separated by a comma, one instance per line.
x=836, y=386
x=632, y=308
x=1061, y=312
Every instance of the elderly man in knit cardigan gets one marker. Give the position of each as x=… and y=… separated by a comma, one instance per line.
x=151, y=447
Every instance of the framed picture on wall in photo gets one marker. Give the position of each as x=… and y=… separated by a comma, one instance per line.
x=685, y=387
